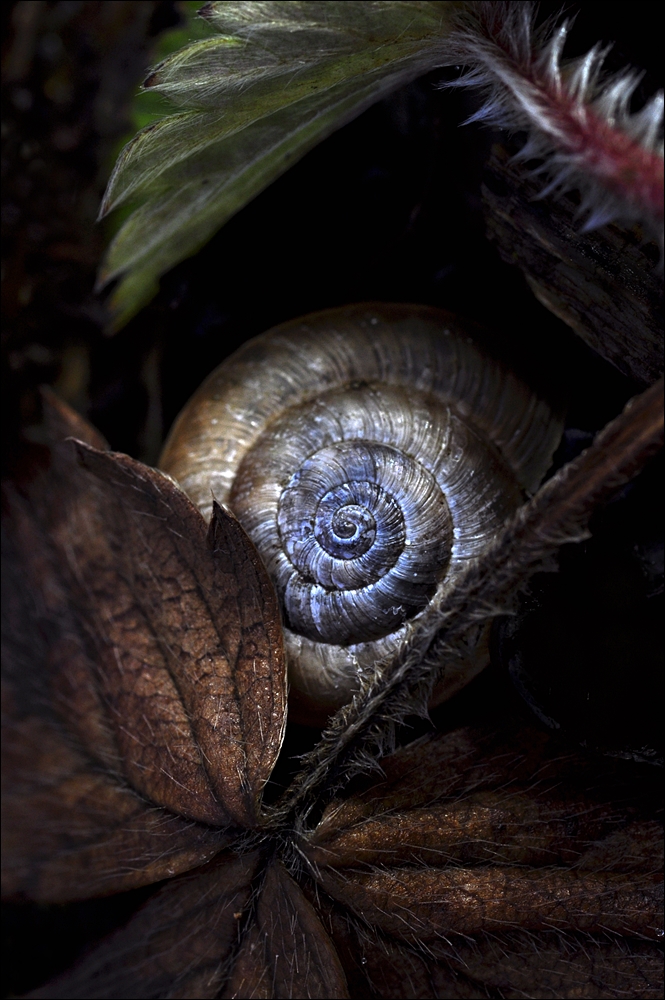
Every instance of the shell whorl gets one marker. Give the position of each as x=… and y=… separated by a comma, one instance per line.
x=370, y=452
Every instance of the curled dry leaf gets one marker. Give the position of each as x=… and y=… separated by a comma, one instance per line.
x=161, y=679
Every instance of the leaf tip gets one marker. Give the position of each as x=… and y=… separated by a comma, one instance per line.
x=221, y=509
x=81, y=450
x=104, y=207
x=220, y=518
x=206, y=12
x=62, y=422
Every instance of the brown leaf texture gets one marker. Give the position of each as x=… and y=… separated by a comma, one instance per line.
x=550, y=964
x=181, y=616
x=489, y=860
x=153, y=675
x=429, y=904
x=286, y=952
x=70, y=831
x=180, y=944
x=228, y=929
x=472, y=797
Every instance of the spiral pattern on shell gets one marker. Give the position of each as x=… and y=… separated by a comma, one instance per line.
x=370, y=452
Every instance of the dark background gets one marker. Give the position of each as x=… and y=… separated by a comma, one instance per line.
x=388, y=208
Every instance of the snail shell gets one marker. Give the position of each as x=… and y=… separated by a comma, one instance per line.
x=370, y=452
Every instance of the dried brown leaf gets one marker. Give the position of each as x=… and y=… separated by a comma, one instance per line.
x=193, y=678
x=471, y=797
x=490, y=860
x=152, y=674
x=489, y=827
x=205, y=930
x=71, y=831
x=285, y=951
x=180, y=944
x=481, y=861
x=374, y=965
x=251, y=976
x=71, y=827
x=548, y=964
x=254, y=631
x=432, y=903
x=552, y=965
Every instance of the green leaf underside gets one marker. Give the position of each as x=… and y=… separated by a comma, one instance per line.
x=198, y=195
x=279, y=79
x=149, y=106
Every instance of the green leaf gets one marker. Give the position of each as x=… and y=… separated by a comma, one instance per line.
x=148, y=105
x=277, y=79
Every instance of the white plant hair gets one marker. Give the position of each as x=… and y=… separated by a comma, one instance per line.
x=577, y=116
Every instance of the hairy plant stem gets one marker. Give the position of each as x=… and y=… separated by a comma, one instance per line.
x=559, y=513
